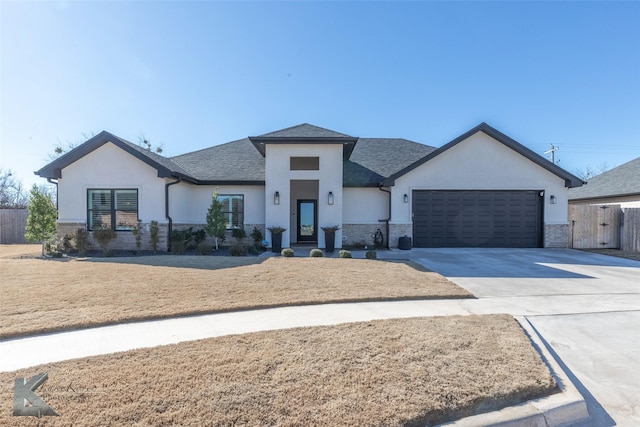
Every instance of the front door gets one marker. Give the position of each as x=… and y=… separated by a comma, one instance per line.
x=307, y=221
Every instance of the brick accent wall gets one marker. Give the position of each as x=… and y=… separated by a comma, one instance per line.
x=556, y=235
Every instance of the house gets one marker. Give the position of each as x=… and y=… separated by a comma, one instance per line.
x=620, y=186
x=481, y=189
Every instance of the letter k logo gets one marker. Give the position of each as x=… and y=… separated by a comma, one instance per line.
x=26, y=402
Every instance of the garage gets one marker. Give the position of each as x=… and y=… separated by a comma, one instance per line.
x=477, y=218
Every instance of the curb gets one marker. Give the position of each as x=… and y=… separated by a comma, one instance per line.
x=562, y=409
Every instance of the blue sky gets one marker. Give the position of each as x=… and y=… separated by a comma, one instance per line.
x=189, y=75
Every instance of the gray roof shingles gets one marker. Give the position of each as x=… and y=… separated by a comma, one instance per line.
x=623, y=180
x=304, y=130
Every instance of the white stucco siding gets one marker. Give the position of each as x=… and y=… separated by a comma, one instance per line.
x=109, y=167
x=364, y=205
x=279, y=176
x=188, y=204
x=481, y=163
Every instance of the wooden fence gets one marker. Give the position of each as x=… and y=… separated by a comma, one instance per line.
x=12, y=225
x=604, y=227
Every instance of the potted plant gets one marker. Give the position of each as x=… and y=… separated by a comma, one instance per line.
x=276, y=238
x=330, y=237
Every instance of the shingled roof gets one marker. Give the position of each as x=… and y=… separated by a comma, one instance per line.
x=368, y=162
x=617, y=182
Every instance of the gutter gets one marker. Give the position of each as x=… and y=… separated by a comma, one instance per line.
x=166, y=210
x=386, y=221
x=51, y=181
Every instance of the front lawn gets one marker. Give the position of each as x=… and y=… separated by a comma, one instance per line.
x=41, y=295
x=402, y=372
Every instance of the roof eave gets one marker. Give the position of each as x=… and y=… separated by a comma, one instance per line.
x=54, y=169
x=348, y=143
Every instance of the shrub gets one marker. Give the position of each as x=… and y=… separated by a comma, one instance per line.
x=54, y=248
x=81, y=239
x=181, y=240
x=257, y=237
x=204, y=248
x=178, y=247
x=199, y=236
x=371, y=255
x=287, y=253
x=154, y=232
x=137, y=232
x=252, y=250
x=239, y=234
x=104, y=235
x=237, y=250
x=344, y=254
x=316, y=253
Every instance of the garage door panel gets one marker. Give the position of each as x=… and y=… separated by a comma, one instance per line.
x=477, y=218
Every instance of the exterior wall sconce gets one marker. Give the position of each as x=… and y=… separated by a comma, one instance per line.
x=406, y=198
x=330, y=201
x=276, y=198
x=552, y=199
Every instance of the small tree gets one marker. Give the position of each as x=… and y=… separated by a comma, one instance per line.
x=137, y=232
x=216, y=222
x=154, y=235
x=41, y=223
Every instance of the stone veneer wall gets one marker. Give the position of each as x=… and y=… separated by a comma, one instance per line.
x=125, y=240
x=399, y=230
x=556, y=235
x=357, y=234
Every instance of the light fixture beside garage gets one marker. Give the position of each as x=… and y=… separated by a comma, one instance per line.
x=552, y=199
x=406, y=198
x=330, y=201
x=276, y=198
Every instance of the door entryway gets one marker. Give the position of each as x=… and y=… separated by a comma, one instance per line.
x=307, y=221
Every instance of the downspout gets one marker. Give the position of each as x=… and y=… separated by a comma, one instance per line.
x=166, y=210
x=51, y=181
x=386, y=221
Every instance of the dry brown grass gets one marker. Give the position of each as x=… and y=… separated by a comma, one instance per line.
x=394, y=373
x=48, y=295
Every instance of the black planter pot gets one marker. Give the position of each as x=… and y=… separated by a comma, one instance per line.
x=329, y=241
x=276, y=243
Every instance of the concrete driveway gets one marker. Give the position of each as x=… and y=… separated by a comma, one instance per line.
x=586, y=306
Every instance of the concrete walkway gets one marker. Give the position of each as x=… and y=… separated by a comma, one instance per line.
x=586, y=307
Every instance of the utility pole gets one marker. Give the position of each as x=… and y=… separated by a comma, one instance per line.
x=553, y=153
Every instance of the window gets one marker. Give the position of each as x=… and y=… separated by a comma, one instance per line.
x=117, y=209
x=233, y=210
x=304, y=163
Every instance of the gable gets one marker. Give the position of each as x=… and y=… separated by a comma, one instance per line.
x=479, y=162
x=570, y=179
x=163, y=166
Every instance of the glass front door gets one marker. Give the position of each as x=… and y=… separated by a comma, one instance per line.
x=307, y=221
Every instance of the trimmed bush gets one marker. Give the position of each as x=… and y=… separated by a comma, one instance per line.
x=287, y=253
x=204, y=248
x=316, y=253
x=178, y=247
x=237, y=250
x=81, y=239
x=371, y=255
x=344, y=254
x=104, y=235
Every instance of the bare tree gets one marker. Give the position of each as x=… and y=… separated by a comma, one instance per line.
x=145, y=143
x=12, y=194
x=589, y=171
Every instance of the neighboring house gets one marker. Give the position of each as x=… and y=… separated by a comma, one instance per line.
x=620, y=186
x=481, y=189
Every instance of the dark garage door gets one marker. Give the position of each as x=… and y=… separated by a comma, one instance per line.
x=499, y=219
